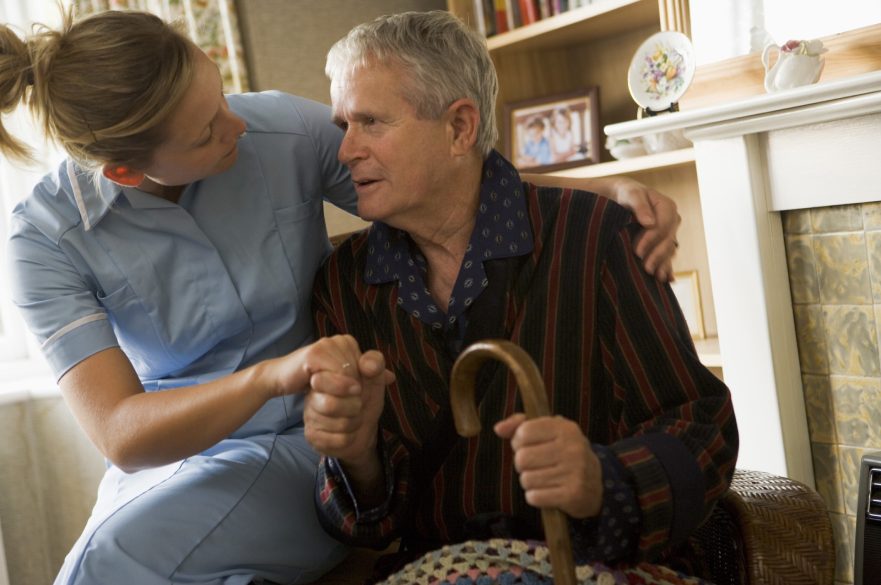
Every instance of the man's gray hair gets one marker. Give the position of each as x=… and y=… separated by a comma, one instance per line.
x=443, y=59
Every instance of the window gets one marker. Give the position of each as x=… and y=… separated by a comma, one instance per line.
x=19, y=354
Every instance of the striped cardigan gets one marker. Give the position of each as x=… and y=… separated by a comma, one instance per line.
x=615, y=355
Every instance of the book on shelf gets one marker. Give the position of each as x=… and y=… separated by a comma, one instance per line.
x=544, y=8
x=528, y=11
x=485, y=17
x=560, y=6
x=501, y=10
x=513, y=11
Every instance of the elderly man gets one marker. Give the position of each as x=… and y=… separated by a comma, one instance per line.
x=461, y=249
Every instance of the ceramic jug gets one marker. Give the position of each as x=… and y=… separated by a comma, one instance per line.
x=798, y=63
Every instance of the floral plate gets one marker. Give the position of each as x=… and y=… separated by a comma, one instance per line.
x=661, y=70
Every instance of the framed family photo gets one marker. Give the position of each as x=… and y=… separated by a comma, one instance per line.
x=553, y=132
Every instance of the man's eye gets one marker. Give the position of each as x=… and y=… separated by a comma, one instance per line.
x=370, y=120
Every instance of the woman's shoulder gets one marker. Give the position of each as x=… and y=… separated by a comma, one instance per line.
x=279, y=112
x=51, y=206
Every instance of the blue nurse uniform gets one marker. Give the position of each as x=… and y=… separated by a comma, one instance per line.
x=191, y=291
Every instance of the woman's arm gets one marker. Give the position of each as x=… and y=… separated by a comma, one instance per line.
x=135, y=429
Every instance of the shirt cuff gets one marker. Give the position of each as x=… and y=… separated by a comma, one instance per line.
x=614, y=533
x=369, y=515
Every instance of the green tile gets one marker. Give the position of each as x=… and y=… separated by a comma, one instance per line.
x=819, y=407
x=857, y=410
x=803, y=281
x=843, y=529
x=873, y=250
x=842, y=269
x=839, y=218
x=851, y=340
x=871, y=215
x=810, y=333
x=827, y=476
x=797, y=221
x=849, y=466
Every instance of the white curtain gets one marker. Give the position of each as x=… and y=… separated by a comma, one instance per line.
x=18, y=351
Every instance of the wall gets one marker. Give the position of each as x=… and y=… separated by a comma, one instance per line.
x=49, y=480
x=834, y=258
x=286, y=41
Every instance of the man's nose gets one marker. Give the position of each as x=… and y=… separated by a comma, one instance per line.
x=351, y=148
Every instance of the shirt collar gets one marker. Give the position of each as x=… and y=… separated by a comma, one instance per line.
x=94, y=200
x=501, y=230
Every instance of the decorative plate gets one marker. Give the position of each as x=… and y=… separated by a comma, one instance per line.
x=661, y=70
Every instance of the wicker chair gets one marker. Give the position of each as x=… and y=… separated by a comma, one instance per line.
x=766, y=530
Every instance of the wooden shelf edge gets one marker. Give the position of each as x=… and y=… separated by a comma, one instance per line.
x=604, y=18
x=708, y=352
x=649, y=162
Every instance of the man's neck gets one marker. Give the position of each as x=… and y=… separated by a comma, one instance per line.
x=443, y=238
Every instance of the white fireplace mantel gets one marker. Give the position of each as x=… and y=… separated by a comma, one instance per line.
x=806, y=147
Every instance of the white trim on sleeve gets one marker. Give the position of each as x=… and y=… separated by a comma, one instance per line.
x=71, y=326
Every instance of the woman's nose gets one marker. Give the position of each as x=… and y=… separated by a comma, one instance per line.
x=235, y=127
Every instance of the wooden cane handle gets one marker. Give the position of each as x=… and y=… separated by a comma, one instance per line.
x=535, y=402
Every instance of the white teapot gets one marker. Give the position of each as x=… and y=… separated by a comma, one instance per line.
x=798, y=63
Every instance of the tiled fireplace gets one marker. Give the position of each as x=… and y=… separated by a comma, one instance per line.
x=790, y=184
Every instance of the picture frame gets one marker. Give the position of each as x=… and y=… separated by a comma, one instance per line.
x=686, y=287
x=554, y=132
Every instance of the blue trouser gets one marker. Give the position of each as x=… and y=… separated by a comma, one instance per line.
x=242, y=510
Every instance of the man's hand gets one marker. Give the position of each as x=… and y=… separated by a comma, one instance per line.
x=557, y=467
x=343, y=407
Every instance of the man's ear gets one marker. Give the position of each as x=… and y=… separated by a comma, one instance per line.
x=123, y=175
x=464, y=117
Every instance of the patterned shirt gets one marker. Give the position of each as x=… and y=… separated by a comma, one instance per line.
x=615, y=356
x=501, y=230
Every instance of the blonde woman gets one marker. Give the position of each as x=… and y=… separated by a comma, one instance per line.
x=166, y=268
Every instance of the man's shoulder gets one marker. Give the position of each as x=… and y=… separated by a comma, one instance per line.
x=578, y=203
x=349, y=251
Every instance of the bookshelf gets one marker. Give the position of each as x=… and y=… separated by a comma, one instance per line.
x=592, y=45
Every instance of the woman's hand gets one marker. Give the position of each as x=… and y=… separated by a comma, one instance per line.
x=557, y=467
x=657, y=214
x=291, y=374
x=343, y=408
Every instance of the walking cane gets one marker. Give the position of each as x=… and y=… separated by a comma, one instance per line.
x=535, y=401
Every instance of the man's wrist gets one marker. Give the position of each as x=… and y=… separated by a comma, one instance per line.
x=365, y=476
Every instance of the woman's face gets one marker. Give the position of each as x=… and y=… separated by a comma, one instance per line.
x=561, y=122
x=201, y=134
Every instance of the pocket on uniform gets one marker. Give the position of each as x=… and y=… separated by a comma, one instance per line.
x=299, y=212
x=138, y=336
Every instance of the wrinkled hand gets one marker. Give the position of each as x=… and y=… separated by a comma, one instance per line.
x=657, y=214
x=557, y=467
x=343, y=407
